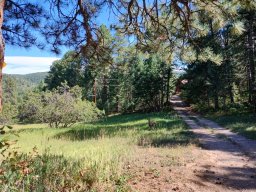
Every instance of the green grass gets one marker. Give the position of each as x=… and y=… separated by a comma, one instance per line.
x=18, y=127
x=103, y=147
x=244, y=124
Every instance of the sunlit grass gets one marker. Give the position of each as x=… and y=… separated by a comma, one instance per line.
x=244, y=124
x=28, y=126
x=116, y=135
x=106, y=144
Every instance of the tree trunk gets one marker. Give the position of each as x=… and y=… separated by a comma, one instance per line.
x=229, y=80
x=117, y=104
x=105, y=94
x=162, y=93
x=248, y=82
x=168, y=85
x=215, y=88
x=95, y=92
x=216, y=100
x=208, y=99
x=251, y=59
x=2, y=47
x=231, y=95
x=228, y=68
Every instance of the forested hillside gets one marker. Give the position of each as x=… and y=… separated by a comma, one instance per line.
x=22, y=83
x=15, y=87
x=31, y=79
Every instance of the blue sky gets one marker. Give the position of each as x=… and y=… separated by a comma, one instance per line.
x=24, y=61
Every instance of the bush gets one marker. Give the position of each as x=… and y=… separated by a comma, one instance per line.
x=29, y=110
x=63, y=110
x=59, y=108
x=8, y=114
x=33, y=172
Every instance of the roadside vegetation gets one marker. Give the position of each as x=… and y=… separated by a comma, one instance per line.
x=244, y=124
x=239, y=118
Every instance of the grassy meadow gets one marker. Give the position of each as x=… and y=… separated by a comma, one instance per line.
x=93, y=155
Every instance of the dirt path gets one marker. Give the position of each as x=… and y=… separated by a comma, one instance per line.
x=224, y=161
x=228, y=160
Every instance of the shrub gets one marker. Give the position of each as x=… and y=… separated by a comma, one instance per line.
x=63, y=110
x=30, y=108
x=33, y=172
x=8, y=114
x=59, y=108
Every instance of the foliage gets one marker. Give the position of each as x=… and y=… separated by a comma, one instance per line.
x=132, y=81
x=150, y=82
x=30, y=108
x=231, y=80
x=80, y=27
x=31, y=79
x=68, y=69
x=62, y=107
x=18, y=89
x=18, y=85
x=10, y=96
x=194, y=30
x=9, y=114
x=4, y=143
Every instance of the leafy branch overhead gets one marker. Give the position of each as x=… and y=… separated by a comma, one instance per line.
x=74, y=24
x=185, y=30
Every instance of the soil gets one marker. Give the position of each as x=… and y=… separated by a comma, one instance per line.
x=224, y=161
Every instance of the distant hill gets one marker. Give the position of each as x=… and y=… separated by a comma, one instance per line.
x=32, y=78
x=23, y=83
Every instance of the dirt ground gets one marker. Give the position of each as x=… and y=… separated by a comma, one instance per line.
x=221, y=163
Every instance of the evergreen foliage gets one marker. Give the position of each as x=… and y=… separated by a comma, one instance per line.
x=232, y=80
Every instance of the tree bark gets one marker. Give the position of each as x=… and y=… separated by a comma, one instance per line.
x=229, y=80
x=105, y=94
x=229, y=71
x=208, y=99
x=252, y=85
x=162, y=93
x=168, y=85
x=216, y=101
x=2, y=48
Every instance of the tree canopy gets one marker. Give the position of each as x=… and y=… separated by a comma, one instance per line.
x=173, y=26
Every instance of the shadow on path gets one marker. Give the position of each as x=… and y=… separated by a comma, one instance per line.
x=234, y=166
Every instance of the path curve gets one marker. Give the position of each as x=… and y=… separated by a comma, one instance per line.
x=229, y=160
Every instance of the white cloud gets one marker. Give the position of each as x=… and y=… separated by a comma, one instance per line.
x=25, y=65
